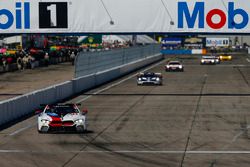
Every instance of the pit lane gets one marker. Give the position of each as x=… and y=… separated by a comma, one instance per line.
x=197, y=118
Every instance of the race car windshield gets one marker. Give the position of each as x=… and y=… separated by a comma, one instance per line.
x=62, y=110
x=174, y=63
x=149, y=75
x=208, y=57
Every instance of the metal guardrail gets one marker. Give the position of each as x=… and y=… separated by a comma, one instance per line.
x=92, y=62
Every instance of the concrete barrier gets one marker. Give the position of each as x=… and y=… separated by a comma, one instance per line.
x=18, y=107
x=83, y=83
x=106, y=76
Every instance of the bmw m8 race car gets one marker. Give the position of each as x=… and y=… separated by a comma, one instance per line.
x=149, y=78
x=174, y=66
x=62, y=117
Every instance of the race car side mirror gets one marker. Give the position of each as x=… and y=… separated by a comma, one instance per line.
x=38, y=111
x=84, y=111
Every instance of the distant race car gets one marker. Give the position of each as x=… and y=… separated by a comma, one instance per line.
x=62, y=117
x=149, y=78
x=225, y=57
x=174, y=66
x=209, y=60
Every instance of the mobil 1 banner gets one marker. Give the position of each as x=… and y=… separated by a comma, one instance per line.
x=217, y=42
x=53, y=15
x=124, y=16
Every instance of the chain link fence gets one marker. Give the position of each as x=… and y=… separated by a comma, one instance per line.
x=87, y=63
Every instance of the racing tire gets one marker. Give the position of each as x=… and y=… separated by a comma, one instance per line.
x=41, y=132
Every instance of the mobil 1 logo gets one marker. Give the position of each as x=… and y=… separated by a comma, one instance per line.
x=53, y=15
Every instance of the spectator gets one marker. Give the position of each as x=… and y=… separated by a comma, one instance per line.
x=31, y=60
x=25, y=61
x=72, y=58
x=46, y=58
x=4, y=61
x=19, y=63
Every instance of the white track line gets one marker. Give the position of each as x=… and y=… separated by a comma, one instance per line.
x=128, y=152
x=248, y=60
x=118, y=83
x=20, y=130
x=218, y=65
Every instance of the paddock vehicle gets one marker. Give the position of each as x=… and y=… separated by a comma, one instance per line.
x=62, y=117
x=149, y=78
x=174, y=66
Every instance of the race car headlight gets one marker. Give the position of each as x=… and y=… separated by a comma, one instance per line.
x=230, y=57
x=157, y=79
x=79, y=121
x=180, y=67
x=168, y=66
x=212, y=61
x=139, y=79
x=202, y=61
x=45, y=121
x=220, y=57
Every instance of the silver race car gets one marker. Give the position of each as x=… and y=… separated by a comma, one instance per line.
x=209, y=60
x=62, y=117
x=149, y=78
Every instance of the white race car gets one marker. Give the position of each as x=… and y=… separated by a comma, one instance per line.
x=174, y=66
x=62, y=117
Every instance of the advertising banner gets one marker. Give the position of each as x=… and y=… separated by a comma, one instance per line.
x=194, y=42
x=217, y=42
x=124, y=16
x=171, y=42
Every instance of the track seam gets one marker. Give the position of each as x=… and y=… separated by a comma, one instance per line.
x=243, y=76
x=106, y=128
x=193, y=121
x=174, y=94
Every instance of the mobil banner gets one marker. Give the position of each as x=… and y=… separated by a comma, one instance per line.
x=124, y=16
x=217, y=42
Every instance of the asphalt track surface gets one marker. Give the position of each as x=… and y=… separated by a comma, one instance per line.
x=17, y=83
x=198, y=118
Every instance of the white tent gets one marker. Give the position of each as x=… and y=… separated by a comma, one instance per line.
x=143, y=39
x=81, y=38
x=112, y=38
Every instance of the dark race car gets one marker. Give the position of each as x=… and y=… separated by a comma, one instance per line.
x=149, y=78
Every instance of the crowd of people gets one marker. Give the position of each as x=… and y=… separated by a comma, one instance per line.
x=35, y=58
x=104, y=46
x=32, y=58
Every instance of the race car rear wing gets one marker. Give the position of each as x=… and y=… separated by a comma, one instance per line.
x=60, y=104
x=159, y=74
x=141, y=74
